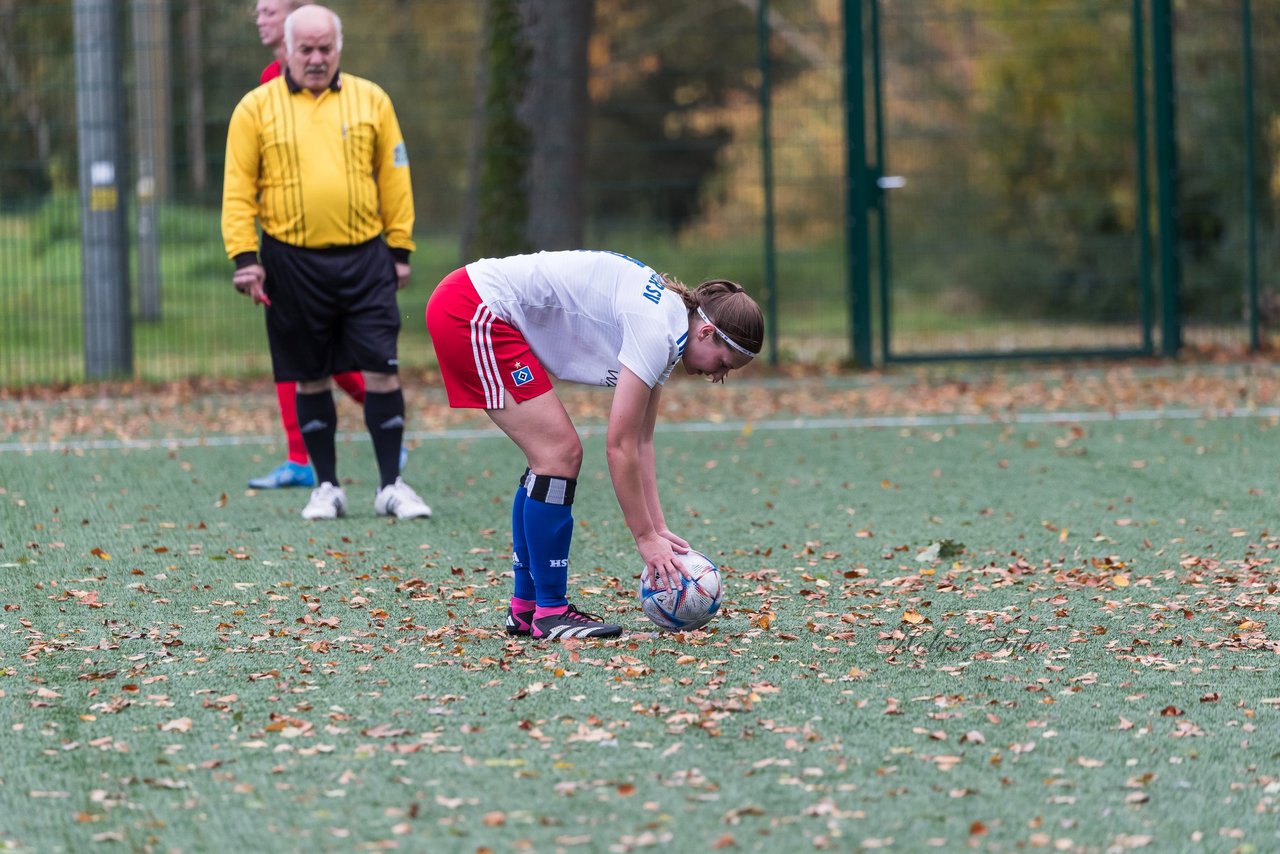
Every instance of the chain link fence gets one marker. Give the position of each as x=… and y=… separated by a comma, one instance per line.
x=1014, y=125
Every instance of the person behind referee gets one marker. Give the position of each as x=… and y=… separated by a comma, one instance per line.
x=316, y=158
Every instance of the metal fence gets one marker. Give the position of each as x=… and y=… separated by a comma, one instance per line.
x=1086, y=177
x=1025, y=133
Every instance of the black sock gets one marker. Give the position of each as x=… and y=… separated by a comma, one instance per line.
x=318, y=418
x=384, y=416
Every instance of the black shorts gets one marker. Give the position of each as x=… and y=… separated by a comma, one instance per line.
x=332, y=310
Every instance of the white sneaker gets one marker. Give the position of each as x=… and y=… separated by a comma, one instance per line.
x=400, y=499
x=327, y=502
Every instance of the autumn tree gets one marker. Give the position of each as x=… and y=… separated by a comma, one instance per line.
x=554, y=108
x=31, y=69
x=503, y=191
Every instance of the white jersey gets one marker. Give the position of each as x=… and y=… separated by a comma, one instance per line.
x=587, y=314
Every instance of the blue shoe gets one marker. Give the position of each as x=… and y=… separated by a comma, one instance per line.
x=404, y=457
x=286, y=474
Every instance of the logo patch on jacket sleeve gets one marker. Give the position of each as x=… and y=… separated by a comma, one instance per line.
x=522, y=375
x=401, y=155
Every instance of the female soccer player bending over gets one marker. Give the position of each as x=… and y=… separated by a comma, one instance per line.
x=500, y=325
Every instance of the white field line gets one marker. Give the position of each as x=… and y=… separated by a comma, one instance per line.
x=781, y=424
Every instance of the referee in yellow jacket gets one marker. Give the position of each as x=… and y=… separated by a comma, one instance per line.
x=316, y=158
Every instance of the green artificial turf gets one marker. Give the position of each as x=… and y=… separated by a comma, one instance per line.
x=1083, y=660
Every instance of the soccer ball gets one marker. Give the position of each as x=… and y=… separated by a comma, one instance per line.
x=690, y=606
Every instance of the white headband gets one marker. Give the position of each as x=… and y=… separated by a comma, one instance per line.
x=734, y=344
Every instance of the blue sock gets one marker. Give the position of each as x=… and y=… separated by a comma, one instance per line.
x=524, y=588
x=548, y=531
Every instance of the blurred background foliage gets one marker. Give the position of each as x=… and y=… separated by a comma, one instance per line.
x=1011, y=120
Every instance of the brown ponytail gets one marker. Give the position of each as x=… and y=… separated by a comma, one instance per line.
x=728, y=306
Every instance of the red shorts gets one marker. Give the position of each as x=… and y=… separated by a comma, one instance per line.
x=483, y=359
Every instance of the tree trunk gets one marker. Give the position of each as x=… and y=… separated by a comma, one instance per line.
x=24, y=95
x=502, y=193
x=475, y=151
x=554, y=108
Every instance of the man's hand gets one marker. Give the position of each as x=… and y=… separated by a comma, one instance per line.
x=249, y=281
x=402, y=275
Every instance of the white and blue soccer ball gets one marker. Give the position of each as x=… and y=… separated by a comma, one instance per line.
x=689, y=606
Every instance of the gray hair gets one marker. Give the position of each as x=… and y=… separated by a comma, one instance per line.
x=288, y=28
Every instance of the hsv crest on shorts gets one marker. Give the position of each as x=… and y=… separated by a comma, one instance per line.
x=522, y=375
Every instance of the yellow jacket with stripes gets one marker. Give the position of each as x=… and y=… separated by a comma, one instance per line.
x=316, y=171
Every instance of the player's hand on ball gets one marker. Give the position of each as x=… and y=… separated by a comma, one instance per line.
x=679, y=545
x=661, y=569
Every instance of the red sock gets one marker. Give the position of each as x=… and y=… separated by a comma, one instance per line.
x=352, y=382
x=287, y=396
